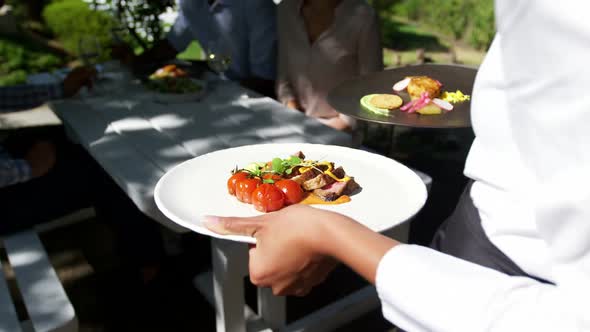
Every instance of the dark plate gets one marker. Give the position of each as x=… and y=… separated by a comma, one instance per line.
x=346, y=97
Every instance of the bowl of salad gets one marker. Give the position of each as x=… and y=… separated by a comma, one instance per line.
x=172, y=84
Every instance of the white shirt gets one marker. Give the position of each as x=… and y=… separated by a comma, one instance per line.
x=531, y=163
x=248, y=28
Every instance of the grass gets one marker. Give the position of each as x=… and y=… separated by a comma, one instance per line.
x=402, y=38
x=193, y=52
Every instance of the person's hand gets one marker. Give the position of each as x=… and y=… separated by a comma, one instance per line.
x=288, y=255
x=123, y=52
x=77, y=78
x=41, y=157
x=292, y=104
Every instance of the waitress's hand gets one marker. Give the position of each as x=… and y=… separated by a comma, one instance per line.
x=289, y=256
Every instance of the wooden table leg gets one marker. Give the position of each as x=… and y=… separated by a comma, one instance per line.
x=230, y=261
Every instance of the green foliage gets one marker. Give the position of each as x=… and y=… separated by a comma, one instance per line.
x=472, y=20
x=483, y=27
x=451, y=16
x=73, y=20
x=140, y=17
x=19, y=58
x=412, y=9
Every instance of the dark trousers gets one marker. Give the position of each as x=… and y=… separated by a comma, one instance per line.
x=462, y=236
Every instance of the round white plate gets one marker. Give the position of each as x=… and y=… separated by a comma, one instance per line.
x=391, y=193
x=171, y=98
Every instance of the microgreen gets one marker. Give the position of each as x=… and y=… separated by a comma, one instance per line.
x=277, y=166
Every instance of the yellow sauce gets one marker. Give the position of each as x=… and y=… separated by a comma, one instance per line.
x=328, y=172
x=314, y=199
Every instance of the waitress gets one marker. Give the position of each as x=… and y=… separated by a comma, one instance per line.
x=521, y=233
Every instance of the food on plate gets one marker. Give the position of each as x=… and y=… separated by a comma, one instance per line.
x=386, y=101
x=455, y=97
x=268, y=198
x=172, y=79
x=365, y=104
x=430, y=109
x=424, y=92
x=270, y=186
x=168, y=71
x=419, y=85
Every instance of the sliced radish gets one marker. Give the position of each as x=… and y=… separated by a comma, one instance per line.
x=445, y=105
x=402, y=85
x=407, y=106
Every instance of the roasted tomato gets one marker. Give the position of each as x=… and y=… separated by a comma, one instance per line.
x=245, y=187
x=268, y=198
x=233, y=180
x=292, y=190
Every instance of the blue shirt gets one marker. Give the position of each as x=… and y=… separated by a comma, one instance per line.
x=19, y=97
x=247, y=26
x=13, y=98
x=13, y=170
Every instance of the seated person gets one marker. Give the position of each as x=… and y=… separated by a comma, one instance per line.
x=21, y=97
x=340, y=41
x=41, y=178
x=246, y=27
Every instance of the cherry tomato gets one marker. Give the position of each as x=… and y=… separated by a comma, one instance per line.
x=233, y=180
x=268, y=198
x=292, y=190
x=245, y=187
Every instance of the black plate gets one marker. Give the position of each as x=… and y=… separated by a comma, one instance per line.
x=346, y=97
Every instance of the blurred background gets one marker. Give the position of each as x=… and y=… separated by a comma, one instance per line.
x=44, y=35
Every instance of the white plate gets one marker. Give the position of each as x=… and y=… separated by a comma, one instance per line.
x=391, y=193
x=171, y=98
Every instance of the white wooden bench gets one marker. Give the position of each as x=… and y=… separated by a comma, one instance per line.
x=48, y=307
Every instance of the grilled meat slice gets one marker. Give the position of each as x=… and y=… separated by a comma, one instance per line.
x=318, y=182
x=299, y=155
x=301, y=178
x=332, y=191
x=339, y=172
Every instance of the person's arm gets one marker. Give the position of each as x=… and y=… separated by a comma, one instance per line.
x=38, y=161
x=262, y=38
x=284, y=89
x=22, y=97
x=370, y=50
x=420, y=289
x=180, y=35
x=13, y=170
x=340, y=122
